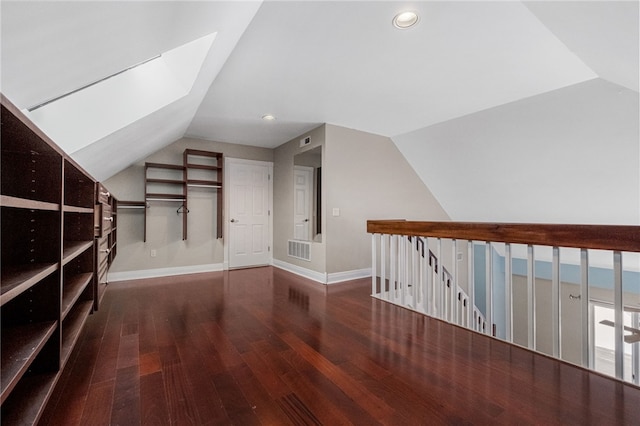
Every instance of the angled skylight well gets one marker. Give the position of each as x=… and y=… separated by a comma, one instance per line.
x=83, y=116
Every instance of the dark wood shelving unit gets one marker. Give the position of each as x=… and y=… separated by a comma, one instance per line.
x=203, y=169
x=105, y=232
x=113, y=235
x=72, y=249
x=20, y=346
x=73, y=290
x=47, y=270
x=171, y=182
x=28, y=400
x=72, y=326
x=168, y=185
x=17, y=279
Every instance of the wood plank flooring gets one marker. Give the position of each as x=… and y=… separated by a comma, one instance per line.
x=262, y=346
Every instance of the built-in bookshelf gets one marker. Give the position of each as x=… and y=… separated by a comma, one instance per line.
x=47, y=284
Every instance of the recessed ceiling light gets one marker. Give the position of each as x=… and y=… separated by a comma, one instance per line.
x=268, y=117
x=405, y=20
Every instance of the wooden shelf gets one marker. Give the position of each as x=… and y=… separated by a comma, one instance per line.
x=71, y=328
x=73, y=288
x=20, y=345
x=155, y=196
x=74, y=209
x=169, y=181
x=17, y=279
x=202, y=153
x=28, y=399
x=204, y=182
x=23, y=203
x=203, y=167
x=73, y=249
x=164, y=166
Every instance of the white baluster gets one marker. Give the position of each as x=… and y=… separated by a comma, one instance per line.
x=383, y=264
x=635, y=350
x=555, y=303
x=405, y=272
x=508, y=293
x=374, y=268
x=531, y=296
x=489, y=287
x=430, y=289
x=440, y=285
x=423, y=278
x=415, y=275
x=454, y=282
x=471, y=286
x=393, y=267
x=618, y=307
x=587, y=359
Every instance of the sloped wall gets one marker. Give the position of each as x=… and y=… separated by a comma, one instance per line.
x=567, y=156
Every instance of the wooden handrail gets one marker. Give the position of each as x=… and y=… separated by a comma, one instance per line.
x=602, y=237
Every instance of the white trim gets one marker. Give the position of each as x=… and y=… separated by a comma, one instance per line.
x=163, y=272
x=226, y=203
x=323, y=277
x=338, y=277
x=320, y=277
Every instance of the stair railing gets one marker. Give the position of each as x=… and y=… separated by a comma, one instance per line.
x=410, y=270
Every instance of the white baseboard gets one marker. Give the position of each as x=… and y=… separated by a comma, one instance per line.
x=163, y=272
x=338, y=277
x=321, y=277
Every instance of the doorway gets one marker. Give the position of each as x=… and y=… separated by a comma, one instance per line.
x=249, y=220
x=302, y=202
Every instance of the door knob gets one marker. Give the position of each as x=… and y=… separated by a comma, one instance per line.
x=306, y=220
x=233, y=221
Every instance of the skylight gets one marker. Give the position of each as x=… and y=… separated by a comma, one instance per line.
x=84, y=116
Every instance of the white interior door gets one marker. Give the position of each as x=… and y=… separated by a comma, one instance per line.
x=249, y=213
x=302, y=190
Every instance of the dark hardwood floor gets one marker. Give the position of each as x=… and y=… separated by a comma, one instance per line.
x=262, y=346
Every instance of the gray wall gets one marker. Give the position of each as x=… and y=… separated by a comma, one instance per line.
x=164, y=226
x=364, y=175
x=283, y=201
x=367, y=177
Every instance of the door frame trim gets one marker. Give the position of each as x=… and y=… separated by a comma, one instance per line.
x=227, y=204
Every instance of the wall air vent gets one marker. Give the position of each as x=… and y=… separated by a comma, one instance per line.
x=305, y=141
x=299, y=249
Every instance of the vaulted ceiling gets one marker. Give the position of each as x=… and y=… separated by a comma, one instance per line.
x=311, y=62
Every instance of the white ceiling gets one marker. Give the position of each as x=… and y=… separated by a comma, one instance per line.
x=310, y=62
x=345, y=64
